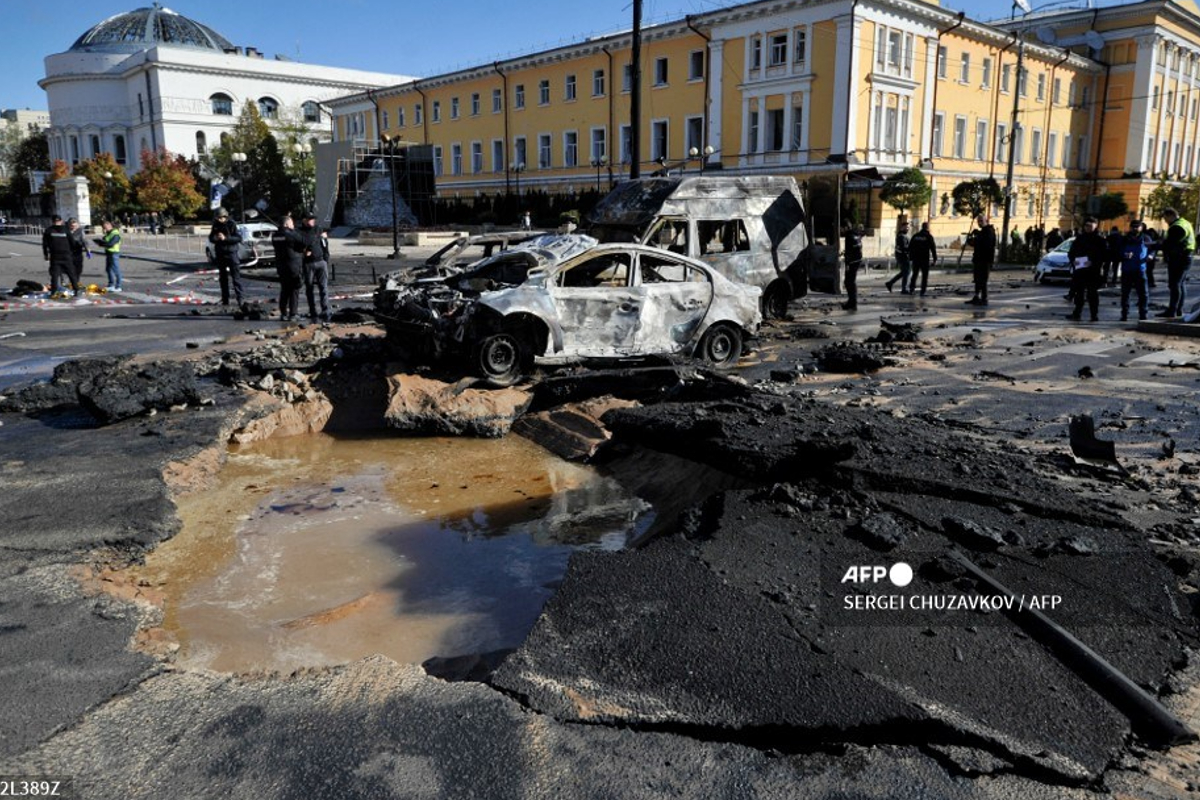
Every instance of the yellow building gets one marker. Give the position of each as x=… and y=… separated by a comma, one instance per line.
x=1084, y=102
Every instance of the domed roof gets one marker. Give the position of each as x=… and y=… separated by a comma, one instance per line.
x=150, y=27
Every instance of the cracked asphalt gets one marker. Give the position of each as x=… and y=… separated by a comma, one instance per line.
x=713, y=660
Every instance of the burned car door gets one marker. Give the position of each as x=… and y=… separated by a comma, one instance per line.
x=675, y=299
x=597, y=307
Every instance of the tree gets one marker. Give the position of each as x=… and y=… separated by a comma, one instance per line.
x=59, y=170
x=165, y=183
x=107, y=193
x=905, y=190
x=976, y=197
x=1109, y=205
x=1163, y=197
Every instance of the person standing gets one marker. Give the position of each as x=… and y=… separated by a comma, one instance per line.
x=79, y=249
x=922, y=248
x=983, y=256
x=526, y=222
x=289, y=264
x=853, y=256
x=110, y=243
x=1134, y=255
x=316, y=268
x=902, y=261
x=1087, y=256
x=1116, y=249
x=1178, y=246
x=56, y=248
x=226, y=240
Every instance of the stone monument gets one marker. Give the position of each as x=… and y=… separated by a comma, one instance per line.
x=72, y=199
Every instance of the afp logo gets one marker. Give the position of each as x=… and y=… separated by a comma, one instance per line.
x=900, y=574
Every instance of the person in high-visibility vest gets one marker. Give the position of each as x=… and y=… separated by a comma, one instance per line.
x=111, y=244
x=1178, y=246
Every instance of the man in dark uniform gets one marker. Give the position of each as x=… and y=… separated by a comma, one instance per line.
x=853, y=257
x=316, y=268
x=79, y=249
x=983, y=256
x=923, y=249
x=226, y=239
x=289, y=263
x=903, y=262
x=1087, y=255
x=56, y=248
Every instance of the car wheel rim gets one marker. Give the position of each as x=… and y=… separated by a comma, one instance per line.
x=500, y=357
x=721, y=347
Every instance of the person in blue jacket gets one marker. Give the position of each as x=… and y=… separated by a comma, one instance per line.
x=1134, y=256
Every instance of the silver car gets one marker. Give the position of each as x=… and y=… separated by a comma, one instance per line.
x=1054, y=266
x=566, y=299
x=255, y=249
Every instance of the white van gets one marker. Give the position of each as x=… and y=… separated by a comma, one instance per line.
x=750, y=229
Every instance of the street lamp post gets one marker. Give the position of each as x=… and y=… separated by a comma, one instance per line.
x=388, y=147
x=517, y=170
x=302, y=152
x=599, y=164
x=694, y=153
x=239, y=159
x=106, y=210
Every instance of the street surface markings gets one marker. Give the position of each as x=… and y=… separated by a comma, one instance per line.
x=1165, y=358
x=1100, y=349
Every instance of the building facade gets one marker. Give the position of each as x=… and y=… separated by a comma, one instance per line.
x=152, y=79
x=23, y=122
x=1084, y=102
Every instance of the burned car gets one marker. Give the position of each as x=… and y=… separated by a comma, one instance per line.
x=466, y=251
x=566, y=299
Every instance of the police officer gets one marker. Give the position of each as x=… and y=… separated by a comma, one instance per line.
x=1087, y=255
x=56, y=248
x=853, y=255
x=1178, y=246
x=226, y=239
x=923, y=249
x=983, y=256
x=316, y=268
x=79, y=249
x=289, y=264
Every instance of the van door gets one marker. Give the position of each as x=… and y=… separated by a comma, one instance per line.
x=675, y=300
x=724, y=244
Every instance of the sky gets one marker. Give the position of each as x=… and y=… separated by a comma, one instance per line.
x=394, y=36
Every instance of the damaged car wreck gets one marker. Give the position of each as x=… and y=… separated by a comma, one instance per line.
x=566, y=299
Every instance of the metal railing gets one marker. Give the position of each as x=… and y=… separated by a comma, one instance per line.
x=132, y=240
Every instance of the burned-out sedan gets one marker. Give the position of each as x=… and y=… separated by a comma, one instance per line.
x=566, y=299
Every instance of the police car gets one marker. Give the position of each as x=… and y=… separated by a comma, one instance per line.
x=255, y=249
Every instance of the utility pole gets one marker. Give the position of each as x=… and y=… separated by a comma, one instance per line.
x=635, y=95
x=1013, y=129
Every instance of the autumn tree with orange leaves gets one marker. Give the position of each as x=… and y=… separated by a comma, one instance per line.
x=166, y=184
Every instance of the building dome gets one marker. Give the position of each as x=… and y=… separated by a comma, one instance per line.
x=149, y=27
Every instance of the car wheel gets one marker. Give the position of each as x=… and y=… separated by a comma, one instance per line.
x=775, y=301
x=500, y=359
x=721, y=346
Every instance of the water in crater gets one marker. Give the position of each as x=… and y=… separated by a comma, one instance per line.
x=318, y=550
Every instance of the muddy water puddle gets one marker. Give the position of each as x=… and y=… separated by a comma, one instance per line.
x=319, y=550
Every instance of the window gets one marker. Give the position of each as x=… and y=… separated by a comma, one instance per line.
x=1035, y=148
x=1082, y=153
x=222, y=105
x=1023, y=82
x=1056, y=94
x=598, y=83
x=142, y=110
x=311, y=111
x=895, y=51
x=519, y=152
x=94, y=141
x=453, y=108
x=400, y=116
x=519, y=96
x=693, y=135
x=1052, y=150
x=1002, y=142
x=626, y=134
x=627, y=78
x=960, y=136
x=1041, y=92
x=1193, y=114
x=437, y=110
x=438, y=169
x=696, y=65
x=722, y=236
x=497, y=155
x=964, y=69
x=1176, y=166
x=660, y=72
x=1066, y=151
x=201, y=143
x=939, y=128
x=775, y=129
x=800, y=49
x=119, y=148
x=658, y=140
x=987, y=74
x=544, y=93
x=797, y=127
x=268, y=108
x=497, y=101
x=569, y=88
x=981, y=140
x=1153, y=99
x=544, y=151
x=599, y=144
x=756, y=53
x=1084, y=96
x=476, y=157
x=670, y=234
x=941, y=62
x=752, y=130
x=570, y=149
x=608, y=269
x=386, y=124
x=660, y=270
x=1071, y=95
x=475, y=104
x=779, y=47
x=1018, y=144
x=1182, y=104
x=418, y=113
x=456, y=165
x=1006, y=78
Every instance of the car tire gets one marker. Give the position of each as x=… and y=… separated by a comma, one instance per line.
x=501, y=359
x=775, y=301
x=721, y=346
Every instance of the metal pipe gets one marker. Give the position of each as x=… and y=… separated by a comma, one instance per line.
x=504, y=106
x=1012, y=152
x=707, y=100
x=635, y=96
x=936, y=51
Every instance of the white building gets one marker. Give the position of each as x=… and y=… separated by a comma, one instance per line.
x=26, y=122
x=152, y=78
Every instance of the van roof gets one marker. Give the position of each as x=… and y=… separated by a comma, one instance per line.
x=636, y=202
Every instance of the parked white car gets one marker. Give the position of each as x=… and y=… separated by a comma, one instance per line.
x=1054, y=265
x=255, y=249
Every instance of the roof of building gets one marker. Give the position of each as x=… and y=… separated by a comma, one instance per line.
x=150, y=27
